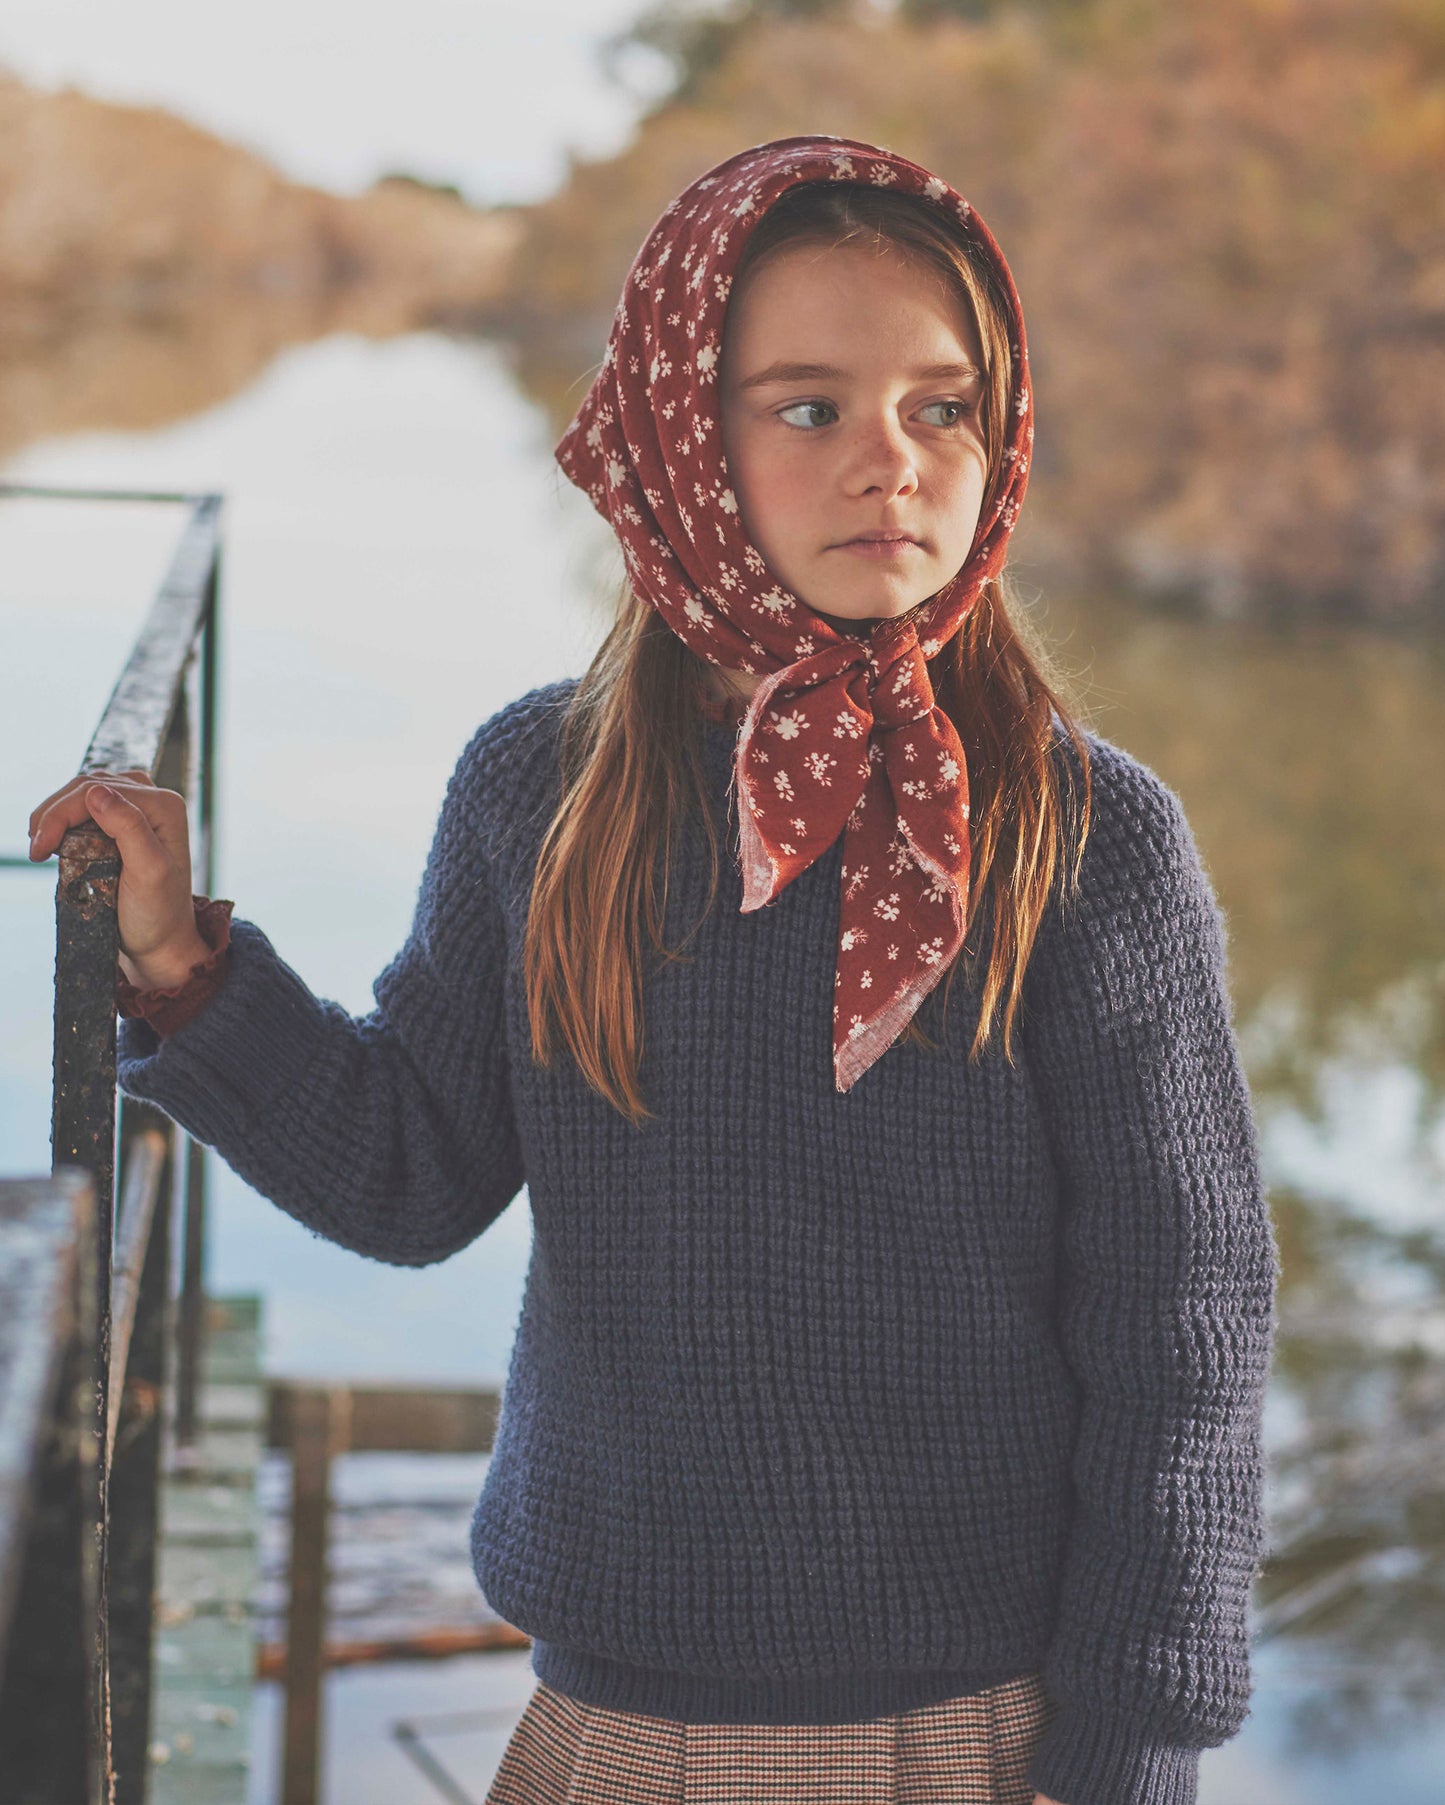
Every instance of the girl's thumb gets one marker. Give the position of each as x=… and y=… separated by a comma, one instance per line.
x=101, y=794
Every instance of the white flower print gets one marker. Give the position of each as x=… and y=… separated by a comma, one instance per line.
x=594, y=437
x=931, y=952
x=851, y=937
x=893, y=952
x=855, y=1027
x=847, y=726
x=774, y=602
x=934, y=189
x=888, y=907
x=727, y=501
x=705, y=363
x=800, y=827
x=788, y=726
x=783, y=785
x=948, y=766
x=616, y=472
x=855, y=882
x=866, y=981
x=818, y=763
x=754, y=561
x=881, y=175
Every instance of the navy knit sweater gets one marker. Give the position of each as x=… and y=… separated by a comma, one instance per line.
x=821, y=1407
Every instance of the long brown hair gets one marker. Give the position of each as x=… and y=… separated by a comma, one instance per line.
x=630, y=748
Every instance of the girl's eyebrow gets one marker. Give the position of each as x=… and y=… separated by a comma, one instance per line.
x=798, y=372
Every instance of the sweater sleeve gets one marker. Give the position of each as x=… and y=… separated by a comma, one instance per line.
x=391, y=1134
x=1166, y=1314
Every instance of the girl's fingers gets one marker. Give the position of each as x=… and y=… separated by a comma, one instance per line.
x=126, y=823
x=70, y=806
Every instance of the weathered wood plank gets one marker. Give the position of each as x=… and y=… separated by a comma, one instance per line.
x=205, y=1649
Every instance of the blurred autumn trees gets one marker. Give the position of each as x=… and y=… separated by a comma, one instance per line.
x=1226, y=222
x=1227, y=226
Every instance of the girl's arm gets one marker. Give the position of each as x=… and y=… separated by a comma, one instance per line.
x=1168, y=1269
x=393, y=1133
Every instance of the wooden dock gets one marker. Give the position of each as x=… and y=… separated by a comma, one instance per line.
x=205, y=1639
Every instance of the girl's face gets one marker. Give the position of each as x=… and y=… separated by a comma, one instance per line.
x=851, y=392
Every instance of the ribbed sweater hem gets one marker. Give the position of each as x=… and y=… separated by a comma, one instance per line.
x=814, y=1698
x=1088, y=1757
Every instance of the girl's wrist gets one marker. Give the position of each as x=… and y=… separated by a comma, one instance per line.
x=166, y=968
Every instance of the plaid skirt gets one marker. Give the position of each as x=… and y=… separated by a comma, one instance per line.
x=973, y=1750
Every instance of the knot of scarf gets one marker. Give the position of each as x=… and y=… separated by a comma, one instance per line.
x=843, y=735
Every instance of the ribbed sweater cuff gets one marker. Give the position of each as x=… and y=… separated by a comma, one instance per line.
x=254, y=1040
x=1085, y=1757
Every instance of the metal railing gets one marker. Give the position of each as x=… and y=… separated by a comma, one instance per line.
x=93, y=1342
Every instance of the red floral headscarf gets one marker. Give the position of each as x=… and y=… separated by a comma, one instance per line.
x=843, y=734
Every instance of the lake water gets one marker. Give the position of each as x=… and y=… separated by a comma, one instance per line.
x=401, y=558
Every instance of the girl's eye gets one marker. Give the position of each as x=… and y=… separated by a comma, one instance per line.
x=793, y=407
x=964, y=410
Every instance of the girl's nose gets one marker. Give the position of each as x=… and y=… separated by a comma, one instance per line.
x=882, y=459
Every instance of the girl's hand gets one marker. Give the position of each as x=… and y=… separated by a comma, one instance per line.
x=155, y=917
x=1039, y=1799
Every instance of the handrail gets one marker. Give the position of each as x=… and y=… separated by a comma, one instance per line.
x=149, y=723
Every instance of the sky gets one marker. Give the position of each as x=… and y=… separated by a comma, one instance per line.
x=489, y=94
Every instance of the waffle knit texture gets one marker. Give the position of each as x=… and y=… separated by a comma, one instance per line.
x=821, y=1406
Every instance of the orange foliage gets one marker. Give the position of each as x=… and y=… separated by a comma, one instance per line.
x=1228, y=231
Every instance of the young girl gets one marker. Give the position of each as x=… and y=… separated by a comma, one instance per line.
x=884, y=1419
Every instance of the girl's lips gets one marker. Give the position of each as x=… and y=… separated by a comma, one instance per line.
x=879, y=548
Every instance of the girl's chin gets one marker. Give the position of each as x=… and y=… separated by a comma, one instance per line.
x=863, y=621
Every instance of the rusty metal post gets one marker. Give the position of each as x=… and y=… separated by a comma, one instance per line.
x=320, y=1425
x=83, y=1134
x=135, y=1481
